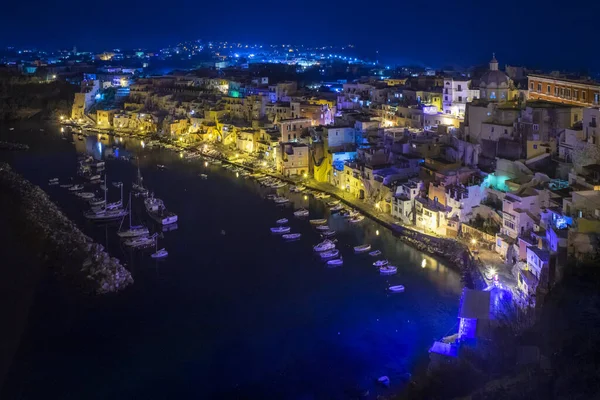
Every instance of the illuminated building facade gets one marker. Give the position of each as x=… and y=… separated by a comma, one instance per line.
x=585, y=93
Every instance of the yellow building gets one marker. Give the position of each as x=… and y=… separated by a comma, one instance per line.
x=179, y=127
x=350, y=180
x=105, y=118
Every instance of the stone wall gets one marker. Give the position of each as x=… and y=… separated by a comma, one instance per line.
x=57, y=240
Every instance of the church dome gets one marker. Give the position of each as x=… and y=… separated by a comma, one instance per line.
x=494, y=78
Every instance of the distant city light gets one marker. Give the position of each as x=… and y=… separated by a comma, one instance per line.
x=423, y=263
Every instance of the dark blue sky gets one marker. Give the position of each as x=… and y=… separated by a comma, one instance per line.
x=552, y=34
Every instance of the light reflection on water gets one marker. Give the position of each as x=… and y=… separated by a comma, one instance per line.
x=221, y=303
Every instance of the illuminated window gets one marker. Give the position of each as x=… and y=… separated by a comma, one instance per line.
x=493, y=95
x=548, y=89
x=539, y=87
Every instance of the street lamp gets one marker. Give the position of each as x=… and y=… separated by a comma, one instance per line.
x=473, y=242
x=305, y=175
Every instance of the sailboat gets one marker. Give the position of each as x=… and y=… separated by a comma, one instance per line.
x=107, y=214
x=138, y=185
x=134, y=230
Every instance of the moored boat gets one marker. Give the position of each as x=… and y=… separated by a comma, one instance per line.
x=328, y=233
x=282, y=221
x=323, y=228
x=330, y=254
x=356, y=219
x=320, y=221
x=375, y=253
x=380, y=263
x=280, y=229
x=141, y=241
x=303, y=212
x=281, y=200
x=203, y=176
x=325, y=245
x=335, y=263
x=291, y=236
x=336, y=208
x=388, y=270
x=75, y=188
x=362, y=248
x=162, y=253
x=396, y=288
x=85, y=195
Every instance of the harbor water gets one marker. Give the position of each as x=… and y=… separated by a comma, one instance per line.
x=233, y=311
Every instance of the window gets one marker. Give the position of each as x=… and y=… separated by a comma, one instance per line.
x=459, y=88
x=576, y=94
x=460, y=98
x=503, y=95
x=509, y=224
x=535, y=146
x=493, y=95
x=575, y=117
x=506, y=131
x=536, y=127
x=556, y=90
x=446, y=98
x=583, y=95
x=539, y=87
x=568, y=93
x=596, y=98
x=548, y=89
x=492, y=129
x=531, y=86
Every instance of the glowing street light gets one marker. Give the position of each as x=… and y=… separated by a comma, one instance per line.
x=206, y=163
x=423, y=263
x=473, y=242
x=305, y=197
x=377, y=232
x=264, y=163
x=378, y=206
x=62, y=117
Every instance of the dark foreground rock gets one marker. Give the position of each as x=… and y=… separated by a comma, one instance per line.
x=58, y=240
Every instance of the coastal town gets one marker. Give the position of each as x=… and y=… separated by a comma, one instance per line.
x=495, y=168
x=503, y=160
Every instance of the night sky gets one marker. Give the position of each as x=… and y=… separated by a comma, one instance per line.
x=542, y=34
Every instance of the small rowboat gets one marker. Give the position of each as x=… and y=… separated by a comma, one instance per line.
x=336, y=208
x=328, y=233
x=333, y=203
x=322, y=228
x=301, y=213
x=162, y=253
x=318, y=221
x=380, y=263
x=280, y=229
x=396, y=289
x=282, y=221
x=66, y=185
x=291, y=236
x=362, y=248
x=356, y=219
x=85, y=195
x=330, y=254
x=375, y=253
x=388, y=270
x=335, y=263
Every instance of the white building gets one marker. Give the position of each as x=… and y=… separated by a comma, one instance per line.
x=456, y=94
x=462, y=199
x=339, y=136
x=403, y=202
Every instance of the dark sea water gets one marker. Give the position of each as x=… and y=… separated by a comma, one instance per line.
x=239, y=315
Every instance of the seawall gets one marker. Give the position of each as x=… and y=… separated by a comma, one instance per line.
x=57, y=240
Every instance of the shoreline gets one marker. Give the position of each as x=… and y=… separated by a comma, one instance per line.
x=60, y=243
x=459, y=257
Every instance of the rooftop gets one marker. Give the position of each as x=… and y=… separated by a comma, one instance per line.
x=584, y=81
x=543, y=255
